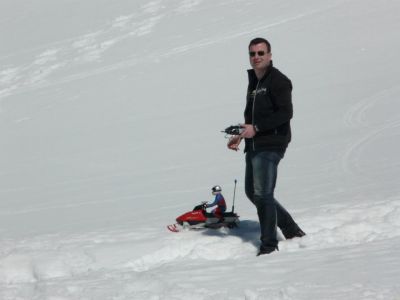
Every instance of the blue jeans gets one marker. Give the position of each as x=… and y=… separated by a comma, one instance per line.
x=260, y=181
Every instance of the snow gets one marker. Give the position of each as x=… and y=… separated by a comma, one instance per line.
x=110, y=119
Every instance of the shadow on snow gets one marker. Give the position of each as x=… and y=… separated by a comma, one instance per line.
x=247, y=230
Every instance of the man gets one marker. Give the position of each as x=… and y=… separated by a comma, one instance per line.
x=267, y=134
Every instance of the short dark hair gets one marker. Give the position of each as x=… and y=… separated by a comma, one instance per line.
x=259, y=41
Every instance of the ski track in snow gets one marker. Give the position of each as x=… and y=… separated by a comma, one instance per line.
x=357, y=117
x=83, y=50
x=89, y=50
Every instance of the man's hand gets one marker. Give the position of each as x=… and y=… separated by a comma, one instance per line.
x=234, y=142
x=249, y=131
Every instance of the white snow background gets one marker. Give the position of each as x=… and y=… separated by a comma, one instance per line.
x=110, y=119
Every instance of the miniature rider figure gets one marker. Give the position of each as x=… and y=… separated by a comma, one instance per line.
x=219, y=201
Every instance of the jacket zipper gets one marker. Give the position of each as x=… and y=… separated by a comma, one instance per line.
x=252, y=119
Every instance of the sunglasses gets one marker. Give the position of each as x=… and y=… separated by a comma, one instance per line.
x=259, y=53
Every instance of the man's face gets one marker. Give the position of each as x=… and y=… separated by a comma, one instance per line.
x=259, y=56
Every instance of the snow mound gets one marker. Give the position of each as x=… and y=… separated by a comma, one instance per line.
x=17, y=268
x=341, y=226
x=216, y=245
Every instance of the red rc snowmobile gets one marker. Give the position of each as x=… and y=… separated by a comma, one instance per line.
x=199, y=218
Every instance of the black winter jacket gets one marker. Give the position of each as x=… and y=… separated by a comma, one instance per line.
x=269, y=108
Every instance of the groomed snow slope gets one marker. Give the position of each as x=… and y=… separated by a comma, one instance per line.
x=110, y=113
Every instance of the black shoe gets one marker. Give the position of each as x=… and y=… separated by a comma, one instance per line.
x=266, y=250
x=290, y=234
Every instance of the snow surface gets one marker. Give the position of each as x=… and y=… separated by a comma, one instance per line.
x=110, y=113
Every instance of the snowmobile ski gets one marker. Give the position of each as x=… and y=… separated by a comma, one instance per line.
x=173, y=228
